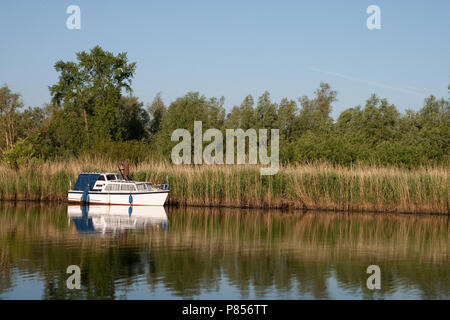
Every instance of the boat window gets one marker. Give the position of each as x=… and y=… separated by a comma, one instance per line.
x=141, y=186
x=111, y=177
x=101, y=178
x=127, y=187
x=112, y=187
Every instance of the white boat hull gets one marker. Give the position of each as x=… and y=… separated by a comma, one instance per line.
x=150, y=198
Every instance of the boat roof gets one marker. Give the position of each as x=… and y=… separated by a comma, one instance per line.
x=100, y=173
x=126, y=181
x=87, y=180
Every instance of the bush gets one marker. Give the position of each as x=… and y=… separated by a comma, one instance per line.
x=20, y=154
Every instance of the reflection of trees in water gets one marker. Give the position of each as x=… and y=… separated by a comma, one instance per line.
x=273, y=249
x=253, y=250
x=5, y=271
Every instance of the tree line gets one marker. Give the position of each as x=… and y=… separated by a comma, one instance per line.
x=93, y=111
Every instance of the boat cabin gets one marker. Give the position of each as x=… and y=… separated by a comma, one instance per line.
x=109, y=182
x=104, y=178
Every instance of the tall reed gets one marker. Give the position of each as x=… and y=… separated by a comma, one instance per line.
x=313, y=186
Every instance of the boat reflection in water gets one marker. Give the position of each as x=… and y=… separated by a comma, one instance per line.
x=114, y=219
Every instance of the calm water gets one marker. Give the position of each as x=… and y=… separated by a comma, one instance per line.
x=168, y=253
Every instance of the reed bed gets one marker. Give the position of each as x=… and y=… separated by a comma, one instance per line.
x=308, y=186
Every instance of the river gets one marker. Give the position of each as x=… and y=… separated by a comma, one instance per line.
x=205, y=253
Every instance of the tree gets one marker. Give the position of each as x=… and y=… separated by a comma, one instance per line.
x=315, y=113
x=234, y=119
x=242, y=116
x=157, y=111
x=433, y=122
x=134, y=121
x=247, y=113
x=266, y=112
x=286, y=118
x=91, y=88
x=216, y=112
x=378, y=121
x=9, y=105
x=194, y=107
x=184, y=111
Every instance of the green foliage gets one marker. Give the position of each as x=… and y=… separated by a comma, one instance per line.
x=20, y=154
x=90, y=91
x=133, y=119
x=315, y=113
x=183, y=112
x=89, y=115
x=157, y=112
x=266, y=112
x=133, y=151
x=9, y=104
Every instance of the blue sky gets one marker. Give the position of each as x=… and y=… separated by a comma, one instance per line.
x=234, y=48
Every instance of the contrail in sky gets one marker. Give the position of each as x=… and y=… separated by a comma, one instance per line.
x=373, y=83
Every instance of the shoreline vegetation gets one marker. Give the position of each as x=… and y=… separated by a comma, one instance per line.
x=370, y=157
x=319, y=186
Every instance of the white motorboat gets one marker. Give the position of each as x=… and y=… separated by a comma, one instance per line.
x=111, y=189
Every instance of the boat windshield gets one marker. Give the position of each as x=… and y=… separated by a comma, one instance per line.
x=111, y=177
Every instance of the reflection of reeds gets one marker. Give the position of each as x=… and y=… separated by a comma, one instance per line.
x=4, y=258
x=322, y=186
x=272, y=248
x=386, y=234
x=251, y=247
x=252, y=227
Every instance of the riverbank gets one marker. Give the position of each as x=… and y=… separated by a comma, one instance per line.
x=319, y=187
